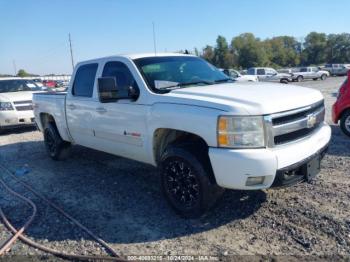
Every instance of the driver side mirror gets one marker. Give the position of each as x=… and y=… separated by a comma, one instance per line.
x=107, y=89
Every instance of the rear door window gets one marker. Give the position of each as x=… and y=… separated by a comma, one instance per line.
x=84, y=80
x=260, y=72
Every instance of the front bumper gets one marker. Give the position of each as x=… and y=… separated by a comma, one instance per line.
x=9, y=119
x=233, y=167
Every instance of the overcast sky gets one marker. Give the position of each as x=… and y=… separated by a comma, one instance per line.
x=34, y=33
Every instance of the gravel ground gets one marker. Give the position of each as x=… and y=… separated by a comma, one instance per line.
x=120, y=200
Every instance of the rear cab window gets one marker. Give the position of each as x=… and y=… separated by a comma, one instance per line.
x=84, y=80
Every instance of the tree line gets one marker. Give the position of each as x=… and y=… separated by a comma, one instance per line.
x=246, y=51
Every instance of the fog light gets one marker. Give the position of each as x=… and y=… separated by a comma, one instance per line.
x=255, y=180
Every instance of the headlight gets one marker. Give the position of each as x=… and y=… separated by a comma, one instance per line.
x=6, y=106
x=241, y=132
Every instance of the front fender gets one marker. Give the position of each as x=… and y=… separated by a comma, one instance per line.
x=200, y=121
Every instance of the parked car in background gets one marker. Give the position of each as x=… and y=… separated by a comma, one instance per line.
x=38, y=82
x=59, y=83
x=237, y=76
x=310, y=72
x=269, y=74
x=337, y=69
x=204, y=131
x=341, y=108
x=50, y=83
x=16, y=102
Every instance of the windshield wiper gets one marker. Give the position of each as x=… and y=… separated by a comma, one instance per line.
x=225, y=80
x=180, y=85
x=195, y=83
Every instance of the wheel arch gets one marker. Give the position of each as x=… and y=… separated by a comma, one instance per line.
x=346, y=109
x=46, y=118
x=163, y=137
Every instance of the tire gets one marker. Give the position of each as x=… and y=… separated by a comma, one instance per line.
x=345, y=123
x=315, y=79
x=56, y=147
x=284, y=81
x=300, y=78
x=323, y=77
x=185, y=180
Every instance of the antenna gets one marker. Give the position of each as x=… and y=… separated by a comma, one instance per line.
x=14, y=67
x=71, y=50
x=154, y=40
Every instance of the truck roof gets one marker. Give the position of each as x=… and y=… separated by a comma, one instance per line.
x=136, y=56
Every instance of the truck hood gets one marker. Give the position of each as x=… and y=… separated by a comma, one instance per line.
x=248, y=98
x=16, y=96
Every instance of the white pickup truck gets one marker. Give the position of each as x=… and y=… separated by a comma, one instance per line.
x=181, y=114
x=309, y=73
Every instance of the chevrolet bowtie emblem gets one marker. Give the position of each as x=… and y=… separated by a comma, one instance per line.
x=311, y=121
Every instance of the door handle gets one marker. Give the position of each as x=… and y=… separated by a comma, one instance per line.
x=101, y=110
x=71, y=106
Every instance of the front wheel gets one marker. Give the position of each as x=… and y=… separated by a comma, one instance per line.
x=315, y=79
x=57, y=148
x=324, y=77
x=185, y=181
x=300, y=78
x=345, y=123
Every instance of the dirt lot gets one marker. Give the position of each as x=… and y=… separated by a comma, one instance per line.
x=120, y=200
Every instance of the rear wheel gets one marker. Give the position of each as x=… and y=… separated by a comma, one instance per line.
x=300, y=78
x=57, y=148
x=185, y=180
x=345, y=123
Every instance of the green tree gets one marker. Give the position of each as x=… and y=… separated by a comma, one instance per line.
x=222, y=56
x=282, y=51
x=22, y=73
x=338, y=48
x=315, y=49
x=208, y=54
x=249, y=50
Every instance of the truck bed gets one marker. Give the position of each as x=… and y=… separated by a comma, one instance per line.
x=53, y=104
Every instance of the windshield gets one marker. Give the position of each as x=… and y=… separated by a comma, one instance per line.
x=164, y=73
x=17, y=86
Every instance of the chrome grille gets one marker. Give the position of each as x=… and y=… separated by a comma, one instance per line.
x=290, y=126
x=24, y=105
x=23, y=102
x=24, y=108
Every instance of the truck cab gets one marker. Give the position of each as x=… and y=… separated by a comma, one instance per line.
x=204, y=131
